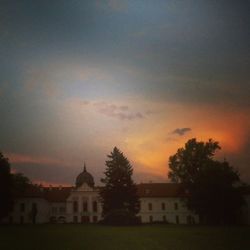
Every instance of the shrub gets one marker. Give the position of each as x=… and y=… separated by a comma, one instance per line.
x=121, y=217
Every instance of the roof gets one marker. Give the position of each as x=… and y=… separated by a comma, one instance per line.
x=51, y=194
x=60, y=194
x=57, y=194
x=85, y=177
x=32, y=191
x=160, y=190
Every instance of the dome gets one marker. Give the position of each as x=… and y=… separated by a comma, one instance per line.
x=85, y=177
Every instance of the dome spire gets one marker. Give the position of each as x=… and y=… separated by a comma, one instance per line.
x=85, y=177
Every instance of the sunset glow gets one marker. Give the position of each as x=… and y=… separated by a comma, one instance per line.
x=81, y=77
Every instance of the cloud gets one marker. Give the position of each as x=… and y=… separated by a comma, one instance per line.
x=181, y=131
x=120, y=112
x=117, y=5
x=16, y=158
x=113, y=5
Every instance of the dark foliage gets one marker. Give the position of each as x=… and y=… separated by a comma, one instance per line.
x=213, y=186
x=20, y=183
x=5, y=187
x=121, y=217
x=11, y=186
x=119, y=192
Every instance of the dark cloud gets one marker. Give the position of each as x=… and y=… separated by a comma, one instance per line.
x=119, y=112
x=181, y=131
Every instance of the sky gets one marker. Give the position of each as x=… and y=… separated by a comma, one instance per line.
x=81, y=77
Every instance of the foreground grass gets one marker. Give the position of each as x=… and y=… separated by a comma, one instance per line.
x=91, y=237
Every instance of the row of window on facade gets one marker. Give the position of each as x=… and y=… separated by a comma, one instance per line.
x=85, y=207
x=23, y=207
x=95, y=207
x=163, y=206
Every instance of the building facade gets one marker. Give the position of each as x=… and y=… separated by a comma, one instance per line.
x=159, y=202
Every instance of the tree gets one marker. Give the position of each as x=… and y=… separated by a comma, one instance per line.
x=213, y=186
x=119, y=195
x=189, y=161
x=11, y=186
x=5, y=186
x=20, y=183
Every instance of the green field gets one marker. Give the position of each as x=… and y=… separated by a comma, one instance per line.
x=67, y=237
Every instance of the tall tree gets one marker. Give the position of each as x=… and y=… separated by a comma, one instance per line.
x=120, y=191
x=5, y=186
x=213, y=186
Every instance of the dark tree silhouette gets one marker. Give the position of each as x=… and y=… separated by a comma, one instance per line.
x=213, y=186
x=5, y=187
x=119, y=195
x=20, y=183
x=11, y=186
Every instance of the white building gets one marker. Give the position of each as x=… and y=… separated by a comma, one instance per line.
x=159, y=202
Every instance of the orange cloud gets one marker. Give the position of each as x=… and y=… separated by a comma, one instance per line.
x=151, y=145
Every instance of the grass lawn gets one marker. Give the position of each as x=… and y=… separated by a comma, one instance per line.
x=67, y=237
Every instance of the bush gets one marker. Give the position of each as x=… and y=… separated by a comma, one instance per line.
x=121, y=217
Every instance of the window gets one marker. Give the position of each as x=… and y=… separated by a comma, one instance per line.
x=62, y=210
x=163, y=206
x=150, y=206
x=177, y=219
x=10, y=219
x=85, y=219
x=22, y=207
x=75, y=219
x=85, y=206
x=75, y=206
x=53, y=219
x=139, y=218
x=12, y=207
x=34, y=207
x=150, y=218
x=95, y=218
x=190, y=219
x=95, y=206
x=176, y=206
x=164, y=218
x=54, y=210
